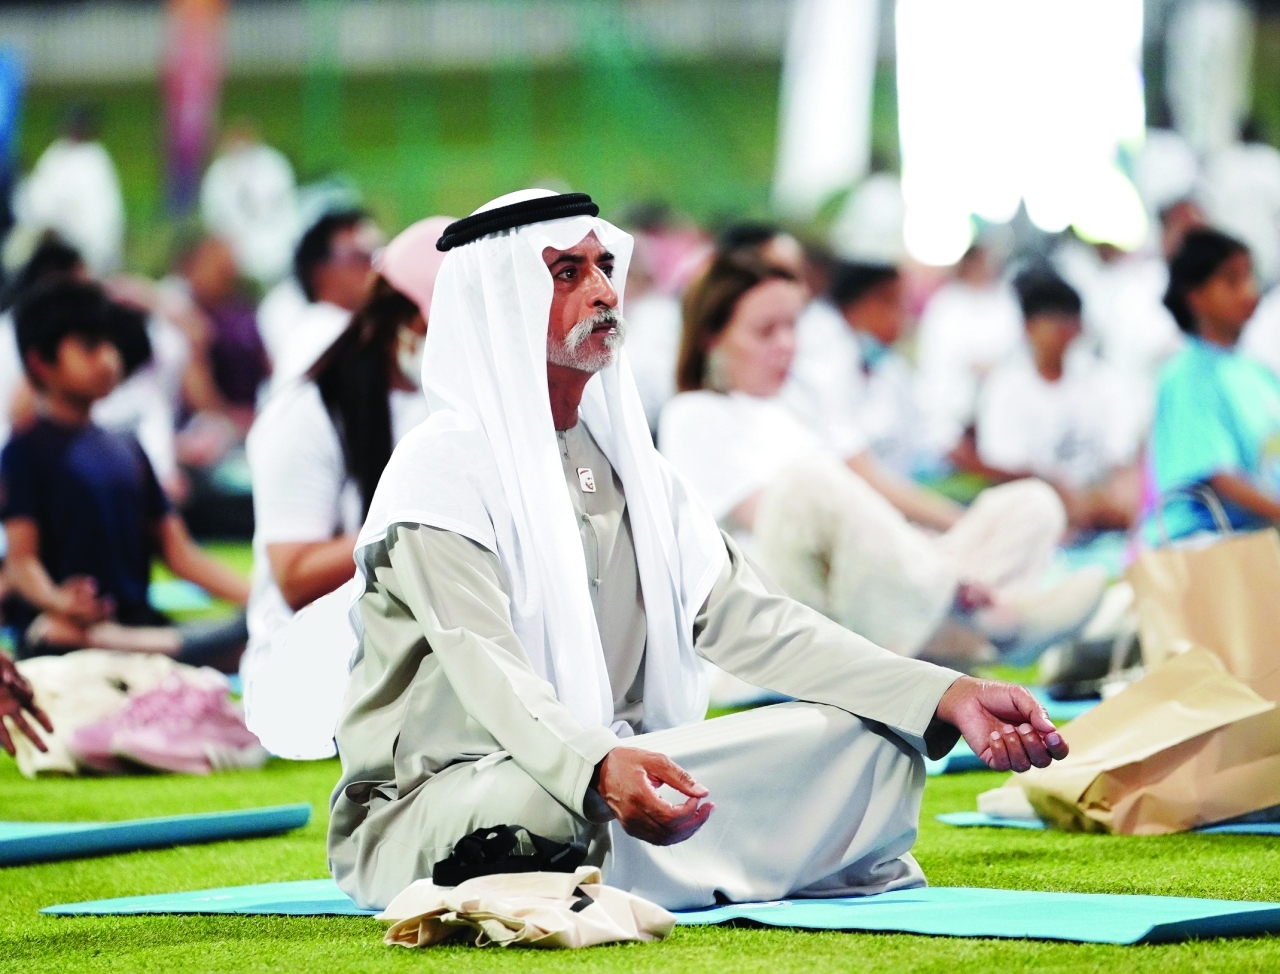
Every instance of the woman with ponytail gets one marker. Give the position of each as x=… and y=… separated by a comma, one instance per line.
x=318, y=449
x=1217, y=421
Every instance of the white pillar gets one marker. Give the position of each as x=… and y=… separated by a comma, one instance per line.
x=824, y=131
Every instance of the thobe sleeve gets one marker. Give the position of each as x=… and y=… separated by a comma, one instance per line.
x=751, y=629
x=457, y=592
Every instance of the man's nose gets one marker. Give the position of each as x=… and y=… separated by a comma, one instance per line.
x=605, y=296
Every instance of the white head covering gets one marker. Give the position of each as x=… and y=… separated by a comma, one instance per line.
x=486, y=465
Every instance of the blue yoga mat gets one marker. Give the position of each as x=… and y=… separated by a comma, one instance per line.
x=982, y=819
x=954, y=912
x=961, y=912
x=178, y=595
x=307, y=897
x=22, y=842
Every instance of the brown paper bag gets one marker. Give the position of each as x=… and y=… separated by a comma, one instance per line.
x=1133, y=741
x=1226, y=599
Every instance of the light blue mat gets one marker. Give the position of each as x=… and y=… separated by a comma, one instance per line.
x=955, y=912
x=22, y=842
x=307, y=897
x=178, y=595
x=961, y=912
x=960, y=759
x=982, y=819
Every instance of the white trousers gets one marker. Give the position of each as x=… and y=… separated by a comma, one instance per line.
x=810, y=801
x=833, y=542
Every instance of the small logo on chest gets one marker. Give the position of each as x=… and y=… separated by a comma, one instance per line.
x=586, y=480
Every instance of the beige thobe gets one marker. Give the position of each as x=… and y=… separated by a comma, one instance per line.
x=446, y=728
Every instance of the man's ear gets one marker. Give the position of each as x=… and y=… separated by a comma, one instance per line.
x=37, y=369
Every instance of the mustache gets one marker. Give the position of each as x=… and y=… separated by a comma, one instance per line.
x=583, y=329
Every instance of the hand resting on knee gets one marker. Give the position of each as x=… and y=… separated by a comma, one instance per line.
x=628, y=780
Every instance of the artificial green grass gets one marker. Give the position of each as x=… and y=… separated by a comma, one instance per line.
x=1232, y=867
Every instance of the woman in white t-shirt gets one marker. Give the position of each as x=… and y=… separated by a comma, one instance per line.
x=825, y=535
x=319, y=446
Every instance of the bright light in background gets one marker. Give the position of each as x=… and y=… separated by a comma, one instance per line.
x=1002, y=101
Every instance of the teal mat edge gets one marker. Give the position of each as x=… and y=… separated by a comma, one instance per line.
x=939, y=911
x=58, y=841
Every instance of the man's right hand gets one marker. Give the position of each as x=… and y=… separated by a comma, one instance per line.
x=15, y=697
x=628, y=781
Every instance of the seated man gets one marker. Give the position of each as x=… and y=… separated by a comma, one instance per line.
x=1059, y=414
x=537, y=588
x=82, y=508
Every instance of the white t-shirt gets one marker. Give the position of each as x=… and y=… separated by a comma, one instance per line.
x=731, y=446
x=1261, y=337
x=826, y=389
x=11, y=373
x=314, y=330
x=965, y=332
x=301, y=491
x=653, y=345
x=1076, y=431
x=279, y=312
x=1124, y=314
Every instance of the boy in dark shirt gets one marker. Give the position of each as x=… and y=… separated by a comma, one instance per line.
x=82, y=508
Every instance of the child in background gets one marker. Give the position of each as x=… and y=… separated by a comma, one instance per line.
x=1058, y=414
x=82, y=508
x=1217, y=418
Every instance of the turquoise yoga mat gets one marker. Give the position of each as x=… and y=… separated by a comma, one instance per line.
x=962, y=912
x=982, y=819
x=954, y=912
x=307, y=897
x=23, y=842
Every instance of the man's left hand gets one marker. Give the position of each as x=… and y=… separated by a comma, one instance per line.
x=1004, y=724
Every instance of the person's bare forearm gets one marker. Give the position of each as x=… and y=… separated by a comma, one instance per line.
x=1240, y=492
x=306, y=571
x=186, y=560
x=916, y=504
x=30, y=580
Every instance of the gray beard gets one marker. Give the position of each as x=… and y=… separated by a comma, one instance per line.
x=569, y=352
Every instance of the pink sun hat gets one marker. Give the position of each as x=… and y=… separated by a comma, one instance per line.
x=411, y=262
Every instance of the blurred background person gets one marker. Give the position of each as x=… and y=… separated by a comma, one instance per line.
x=249, y=198
x=1217, y=421
x=1056, y=413
x=83, y=511
x=864, y=399
x=1125, y=321
x=1241, y=196
x=320, y=445
x=969, y=326
x=823, y=533
x=333, y=266
x=74, y=191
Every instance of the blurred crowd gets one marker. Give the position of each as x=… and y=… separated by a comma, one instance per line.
x=257, y=389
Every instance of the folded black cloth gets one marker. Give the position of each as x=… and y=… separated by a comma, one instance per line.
x=506, y=849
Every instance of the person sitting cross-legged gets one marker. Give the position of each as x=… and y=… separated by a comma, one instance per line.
x=81, y=506
x=536, y=586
